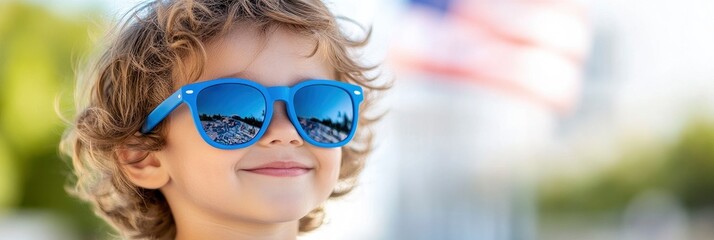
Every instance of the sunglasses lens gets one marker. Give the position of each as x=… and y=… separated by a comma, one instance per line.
x=231, y=114
x=325, y=113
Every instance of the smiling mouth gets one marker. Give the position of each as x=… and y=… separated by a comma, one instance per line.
x=280, y=169
x=280, y=172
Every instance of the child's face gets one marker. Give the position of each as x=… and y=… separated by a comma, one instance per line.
x=210, y=185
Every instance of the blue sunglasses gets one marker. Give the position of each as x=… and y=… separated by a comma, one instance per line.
x=232, y=113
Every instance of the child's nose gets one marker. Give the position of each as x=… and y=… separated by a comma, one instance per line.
x=280, y=131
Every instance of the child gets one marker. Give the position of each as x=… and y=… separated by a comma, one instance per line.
x=218, y=120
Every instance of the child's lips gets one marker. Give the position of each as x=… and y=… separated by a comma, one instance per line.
x=280, y=169
x=280, y=172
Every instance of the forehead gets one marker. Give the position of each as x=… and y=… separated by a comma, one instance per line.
x=275, y=57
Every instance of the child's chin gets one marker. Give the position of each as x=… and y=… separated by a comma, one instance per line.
x=276, y=216
x=284, y=205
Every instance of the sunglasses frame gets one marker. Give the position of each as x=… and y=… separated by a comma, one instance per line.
x=188, y=94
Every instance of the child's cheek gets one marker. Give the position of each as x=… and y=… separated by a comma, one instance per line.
x=329, y=169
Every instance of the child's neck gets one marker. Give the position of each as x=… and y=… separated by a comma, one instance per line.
x=280, y=231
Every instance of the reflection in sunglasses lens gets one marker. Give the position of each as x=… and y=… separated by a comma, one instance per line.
x=231, y=114
x=325, y=113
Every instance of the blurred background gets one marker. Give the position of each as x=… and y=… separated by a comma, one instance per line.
x=509, y=119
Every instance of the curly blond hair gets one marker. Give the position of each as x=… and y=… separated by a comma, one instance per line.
x=138, y=69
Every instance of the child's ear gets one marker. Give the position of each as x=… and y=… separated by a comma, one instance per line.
x=142, y=167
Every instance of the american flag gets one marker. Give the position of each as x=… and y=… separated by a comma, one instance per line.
x=528, y=49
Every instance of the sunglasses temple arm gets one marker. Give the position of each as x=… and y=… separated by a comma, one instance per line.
x=161, y=111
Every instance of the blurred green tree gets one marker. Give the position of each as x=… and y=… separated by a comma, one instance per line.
x=38, y=51
x=690, y=168
x=684, y=168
